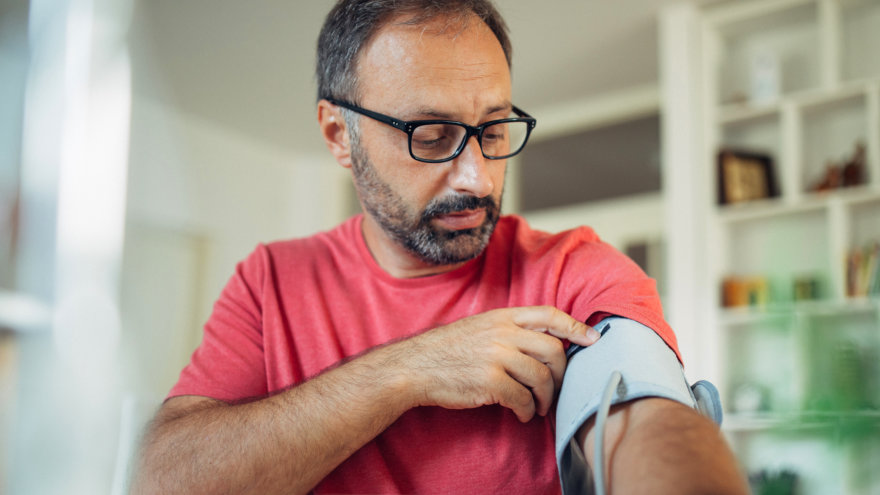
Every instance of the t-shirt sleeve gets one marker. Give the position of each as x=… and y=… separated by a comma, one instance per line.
x=597, y=281
x=229, y=363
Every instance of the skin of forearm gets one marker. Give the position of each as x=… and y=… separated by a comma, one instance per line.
x=285, y=443
x=658, y=446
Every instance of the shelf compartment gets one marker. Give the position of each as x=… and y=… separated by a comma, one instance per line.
x=865, y=220
x=842, y=362
x=860, y=31
x=832, y=128
x=818, y=463
x=761, y=132
x=787, y=40
x=763, y=361
x=782, y=248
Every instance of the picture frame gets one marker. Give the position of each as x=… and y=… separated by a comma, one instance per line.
x=745, y=176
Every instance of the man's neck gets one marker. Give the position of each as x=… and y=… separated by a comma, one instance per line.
x=396, y=260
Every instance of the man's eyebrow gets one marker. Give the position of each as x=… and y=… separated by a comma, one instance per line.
x=441, y=115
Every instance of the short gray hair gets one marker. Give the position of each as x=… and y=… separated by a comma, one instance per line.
x=352, y=23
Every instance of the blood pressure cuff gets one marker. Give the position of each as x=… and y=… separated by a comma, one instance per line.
x=649, y=369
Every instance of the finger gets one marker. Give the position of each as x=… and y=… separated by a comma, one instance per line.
x=555, y=322
x=516, y=397
x=545, y=349
x=535, y=376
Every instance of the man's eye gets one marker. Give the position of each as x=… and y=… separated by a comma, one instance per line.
x=432, y=136
x=493, y=135
x=429, y=143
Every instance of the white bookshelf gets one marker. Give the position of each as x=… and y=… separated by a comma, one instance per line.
x=795, y=376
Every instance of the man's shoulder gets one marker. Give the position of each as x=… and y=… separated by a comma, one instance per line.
x=541, y=250
x=516, y=231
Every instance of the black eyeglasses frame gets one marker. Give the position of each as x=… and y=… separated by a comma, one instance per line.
x=410, y=126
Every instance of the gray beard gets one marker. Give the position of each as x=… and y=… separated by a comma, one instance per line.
x=414, y=231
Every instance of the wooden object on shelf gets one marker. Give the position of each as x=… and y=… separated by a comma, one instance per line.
x=745, y=176
x=847, y=174
x=745, y=291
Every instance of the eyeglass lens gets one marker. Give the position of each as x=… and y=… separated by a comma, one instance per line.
x=440, y=141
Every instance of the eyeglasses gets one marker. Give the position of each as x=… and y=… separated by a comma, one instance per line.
x=437, y=141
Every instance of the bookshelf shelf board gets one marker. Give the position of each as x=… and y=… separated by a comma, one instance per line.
x=743, y=113
x=856, y=196
x=808, y=420
x=741, y=13
x=748, y=315
x=756, y=314
x=743, y=422
x=768, y=208
x=806, y=100
x=811, y=202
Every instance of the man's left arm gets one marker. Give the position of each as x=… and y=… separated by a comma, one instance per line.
x=654, y=440
x=657, y=446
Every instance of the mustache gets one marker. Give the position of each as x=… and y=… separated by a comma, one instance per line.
x=458, y=203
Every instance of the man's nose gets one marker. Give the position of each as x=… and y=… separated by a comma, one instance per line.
x=469, y=171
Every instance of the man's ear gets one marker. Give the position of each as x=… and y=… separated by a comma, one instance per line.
x=335, y=132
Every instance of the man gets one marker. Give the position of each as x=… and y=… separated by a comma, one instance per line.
x=417, y=348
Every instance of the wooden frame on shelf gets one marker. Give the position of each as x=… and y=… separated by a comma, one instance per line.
x=745, y=176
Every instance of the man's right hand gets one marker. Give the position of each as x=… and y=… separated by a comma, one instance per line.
x=513, y=357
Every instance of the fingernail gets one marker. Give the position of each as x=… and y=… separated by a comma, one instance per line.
x=593, y=335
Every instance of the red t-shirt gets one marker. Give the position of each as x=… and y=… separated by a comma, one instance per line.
x=295, y=307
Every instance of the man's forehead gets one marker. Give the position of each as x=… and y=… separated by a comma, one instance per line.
x=440, y=25
x=442, y=55
x=418, y=34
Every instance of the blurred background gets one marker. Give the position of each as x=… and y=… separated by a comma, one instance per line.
x=731, y=148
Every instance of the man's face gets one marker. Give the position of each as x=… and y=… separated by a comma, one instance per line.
x=441, y=213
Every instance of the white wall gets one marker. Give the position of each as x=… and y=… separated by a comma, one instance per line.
x=191, y=176
x=200, y=199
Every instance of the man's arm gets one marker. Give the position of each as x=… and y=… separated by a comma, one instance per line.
x=285, y=443
x=660, y=446
x=654, y=442
x=288, y=442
